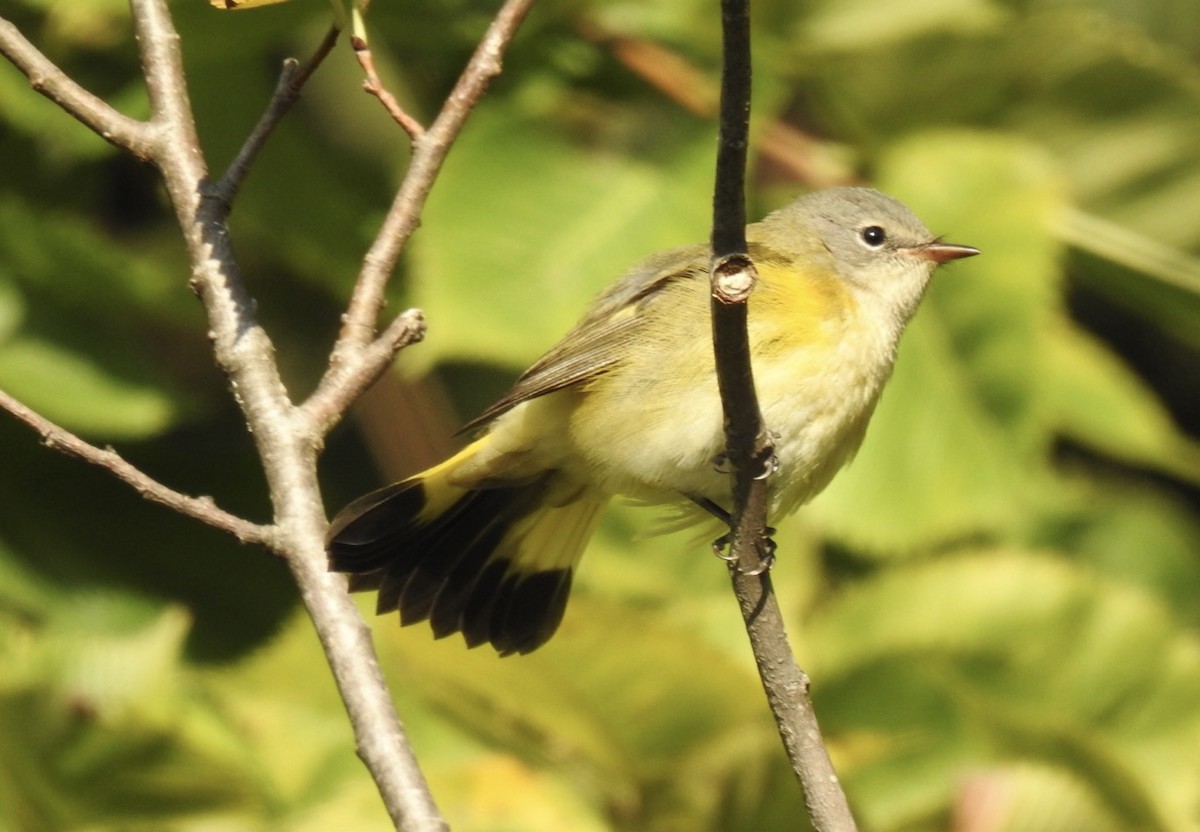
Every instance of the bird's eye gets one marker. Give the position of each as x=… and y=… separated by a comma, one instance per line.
x=874, y=236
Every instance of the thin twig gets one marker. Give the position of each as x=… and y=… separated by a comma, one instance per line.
x=292, y=78
x=316, y=58
x=198, y=508
x=366, y=302
x=47, y=79
x=402, y=219
x=348, y=380
x=374, y=86
x=748, y=445
x=225, y=189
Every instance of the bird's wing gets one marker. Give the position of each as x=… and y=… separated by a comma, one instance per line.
x=594, y=345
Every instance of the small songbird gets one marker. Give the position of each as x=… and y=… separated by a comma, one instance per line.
x=626, y=404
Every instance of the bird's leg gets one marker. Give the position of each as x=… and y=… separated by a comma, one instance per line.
x=721, y=544
x=766, y=544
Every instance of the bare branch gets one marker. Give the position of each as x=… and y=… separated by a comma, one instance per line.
x=287, y=445
x=287, y=438
x=47, y=79
x=379, y=736
x=198, y=508
x=374, y=86
x=282, y=99
x=350, y=375
x=359, y=357
x=748, y=445
x=292, y=78
x=359, y=324
x=317, y=58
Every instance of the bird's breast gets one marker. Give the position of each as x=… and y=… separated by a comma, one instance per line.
x=652, y=427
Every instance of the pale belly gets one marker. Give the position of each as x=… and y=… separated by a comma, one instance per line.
x=651, y=427
x=662, y=438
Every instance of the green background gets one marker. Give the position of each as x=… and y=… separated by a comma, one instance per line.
x=997, y=602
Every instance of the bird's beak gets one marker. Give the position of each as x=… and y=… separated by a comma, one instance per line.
x=940, y=252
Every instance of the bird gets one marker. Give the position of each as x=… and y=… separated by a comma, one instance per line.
x=487, y=542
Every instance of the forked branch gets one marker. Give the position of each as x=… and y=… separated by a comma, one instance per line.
x=288, y=437
x=361, y=354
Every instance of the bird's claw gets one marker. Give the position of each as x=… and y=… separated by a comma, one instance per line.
x=766, y=553
x=719, y=547
x=722, y=464
x=770, y=467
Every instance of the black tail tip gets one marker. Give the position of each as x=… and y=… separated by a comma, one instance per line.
x=446, y=570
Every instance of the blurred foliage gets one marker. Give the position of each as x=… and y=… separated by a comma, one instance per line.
x=997, y=602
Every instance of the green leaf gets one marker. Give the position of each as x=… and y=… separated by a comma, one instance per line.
x=1096, y=400
x=1137, y=536
x=502, y=278
x=12, y=308
x=1017, y=656
x=1029, y=797
x=614, y=702
x=61, y=257
x=23, y=595
x=99, y=730
x=1165, y=304
x=869, y=24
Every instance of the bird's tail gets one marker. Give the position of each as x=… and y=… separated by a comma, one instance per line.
x=492, y=560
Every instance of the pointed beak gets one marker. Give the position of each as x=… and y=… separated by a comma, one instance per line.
x=940, y=252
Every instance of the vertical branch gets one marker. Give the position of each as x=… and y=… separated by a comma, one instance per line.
x=287, y=441
x=734, y=276
x=729, y=204
x=748, y=444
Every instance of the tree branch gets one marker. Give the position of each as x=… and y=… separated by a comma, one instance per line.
x=287, y=437
x=359, y=323
x=748, y=445
x=292, y=78
x=198, y=508
x=285, y=440
x=373, y=85
x=47, y=79
x=347, y=380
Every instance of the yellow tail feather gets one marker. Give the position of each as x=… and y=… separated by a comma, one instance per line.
x=493, y=562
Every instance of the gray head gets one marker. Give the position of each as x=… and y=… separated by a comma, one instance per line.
x=875, y=243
